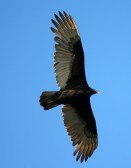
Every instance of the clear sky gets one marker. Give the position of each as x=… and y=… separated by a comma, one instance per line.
x=33, y=138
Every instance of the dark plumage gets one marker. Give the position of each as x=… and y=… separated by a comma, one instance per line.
x=74, y=90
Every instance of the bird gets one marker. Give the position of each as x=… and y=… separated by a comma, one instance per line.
x=74, y=92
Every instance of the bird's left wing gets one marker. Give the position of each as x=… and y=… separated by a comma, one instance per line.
x=69, y=55
x=81, y=127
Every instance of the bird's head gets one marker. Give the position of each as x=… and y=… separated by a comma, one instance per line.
x=93, y=91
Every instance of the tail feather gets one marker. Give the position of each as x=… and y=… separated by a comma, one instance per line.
x=48, y=100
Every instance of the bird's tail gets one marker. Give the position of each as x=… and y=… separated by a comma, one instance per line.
x=48, y=99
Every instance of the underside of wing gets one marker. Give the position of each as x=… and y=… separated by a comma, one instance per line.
x=80, y=132
x=69, y=55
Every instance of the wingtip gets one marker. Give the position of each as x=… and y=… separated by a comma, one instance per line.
x=51, y=28
x=64, y=13
x=59, y=12
x=52, y=20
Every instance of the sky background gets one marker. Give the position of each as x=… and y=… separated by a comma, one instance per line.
x=33, y=138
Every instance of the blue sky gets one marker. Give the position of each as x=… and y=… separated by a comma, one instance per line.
x=31, y=137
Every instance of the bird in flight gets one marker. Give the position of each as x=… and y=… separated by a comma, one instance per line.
x=74, y=91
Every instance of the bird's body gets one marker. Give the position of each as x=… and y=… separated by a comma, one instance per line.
x=70, y=96
x=74, y=90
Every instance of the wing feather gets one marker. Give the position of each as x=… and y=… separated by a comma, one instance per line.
x=67, y=36
x=81, y=135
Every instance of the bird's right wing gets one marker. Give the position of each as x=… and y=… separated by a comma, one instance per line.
x=69, y=55
x=80, y=125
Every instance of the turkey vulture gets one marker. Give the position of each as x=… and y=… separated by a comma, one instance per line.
x=74, y=91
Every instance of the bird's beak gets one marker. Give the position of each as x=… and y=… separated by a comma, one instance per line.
x=96, y=91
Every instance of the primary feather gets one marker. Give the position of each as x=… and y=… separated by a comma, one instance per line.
x=69, y=55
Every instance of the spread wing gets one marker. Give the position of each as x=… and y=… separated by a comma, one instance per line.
x=69, y=55
x=81, y=126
